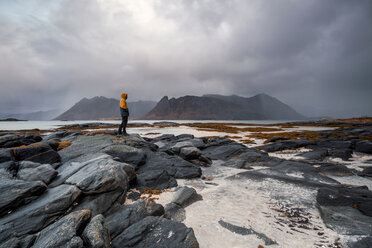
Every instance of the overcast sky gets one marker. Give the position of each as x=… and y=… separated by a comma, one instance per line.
x=313, y=55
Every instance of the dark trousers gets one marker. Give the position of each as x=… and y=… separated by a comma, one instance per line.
x=123, y=125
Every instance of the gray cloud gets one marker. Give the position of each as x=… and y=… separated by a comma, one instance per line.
x=313, y=55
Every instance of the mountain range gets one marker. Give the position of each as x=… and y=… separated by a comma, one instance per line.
x=100, y=107
x=219, y=107
x=206, y=107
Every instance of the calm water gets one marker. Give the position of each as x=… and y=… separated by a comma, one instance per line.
x=44, y=125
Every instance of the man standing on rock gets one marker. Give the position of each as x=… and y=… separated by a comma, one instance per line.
x=124, y=112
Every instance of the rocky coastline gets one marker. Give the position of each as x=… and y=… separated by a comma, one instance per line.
x=77, y=188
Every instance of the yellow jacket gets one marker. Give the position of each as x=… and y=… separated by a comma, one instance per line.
x=123, y=101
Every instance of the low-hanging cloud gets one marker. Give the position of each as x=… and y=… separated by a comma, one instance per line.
x=313, y=55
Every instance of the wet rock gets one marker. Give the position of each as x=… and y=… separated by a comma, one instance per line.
x=156, y=230
x=27, y=241
x=190, y=153
x=201, y=161
x=56, y=135
x=252, y=157
x=287, y=144
x=30, y=171
x=100, y=175
x=48, y=157
x=364, y=146
x=102, y=203
x=335, y=169
x=54, y=144
x=335, y=144
x=179, y=145
x=367, y=172
x=293, y=172
x=174, y=165
x=185, y=196
x=317, y=154
x=344, y=154
x=127, y=154
x=364, y=242
x=174, y=212
x=156, y=179
x=95, y=234
x=137, y=141
x=11, y=243
x=357, y=198
x=224, y=152
x=38, y=214
x=64, y=233
x=6, y=155
x=9, y=168
x=127, y=215
x=17, y=192
x=83, y=146
x=246, y=231
x=346, y=220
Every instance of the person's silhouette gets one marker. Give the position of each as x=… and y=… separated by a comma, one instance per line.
x=124, y=112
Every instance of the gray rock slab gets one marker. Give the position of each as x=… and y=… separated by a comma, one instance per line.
x=30, y=171
x=95, y=234
x=156, y=230
x=15, y=193
x=185, y=196
x=38, y=214
x=64, y=232
x=100, y=175
x=127, y=154
x=127, y=215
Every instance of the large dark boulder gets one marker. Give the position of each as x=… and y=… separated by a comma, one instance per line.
x=367, y=172
x=95, y=234
x=127, y=215
x=65, y=232
x=30, y=171
x=37, y=153
x=174, y=165
x=156, y=179
x=6, y=155
x=83, y=146
x=364, y=146
x=251, y=157
x=317, y=154
x=40, y=213
x=102, y=203
x=127, y=154
x=357, y=198
x=335, y=169
x=156, y=232
x=344, y=154
x=288, y=144
x=185, y=196
x=15, y=193
x=100, y=175
x=224, y=152
x=335, y=144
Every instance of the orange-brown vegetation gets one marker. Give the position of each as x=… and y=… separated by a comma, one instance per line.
x=148, y=194
x=63, y=144
x=23, y=146
x=246, y=141
x=355, y=120
x=289, y=135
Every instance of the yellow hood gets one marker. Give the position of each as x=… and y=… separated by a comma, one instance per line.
x=123, y=102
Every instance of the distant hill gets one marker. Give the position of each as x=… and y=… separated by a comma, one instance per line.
x=100, y=107
x=34, y=116
x=219, y=107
